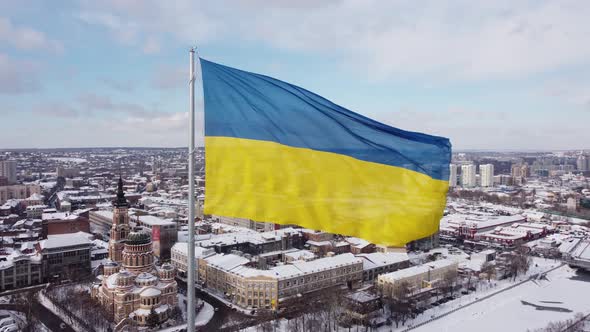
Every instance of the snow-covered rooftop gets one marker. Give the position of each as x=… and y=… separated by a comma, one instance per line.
x=65, y=240
x=415, y=270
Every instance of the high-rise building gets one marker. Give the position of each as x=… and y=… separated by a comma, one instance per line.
x=452, y=175
x=486, y=175
x=468, y=178
x=519, y=173
x=582, y=163
x=8, y=170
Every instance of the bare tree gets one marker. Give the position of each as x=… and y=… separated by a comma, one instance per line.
x=449, y=283
x=399, y=303
x=519, y=262
x=575, y=324
x=489, y=269
x=25, y=300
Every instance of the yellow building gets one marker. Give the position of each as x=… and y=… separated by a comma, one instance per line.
x=417, y=277
x=253, y=288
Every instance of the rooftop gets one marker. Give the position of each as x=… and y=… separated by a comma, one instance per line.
x=65, y=240
x=415, y=270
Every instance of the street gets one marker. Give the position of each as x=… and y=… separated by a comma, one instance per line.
x=222, y=316
x=49, y=319
x=42, y=314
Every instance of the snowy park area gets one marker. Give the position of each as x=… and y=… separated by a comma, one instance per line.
x=531, y=305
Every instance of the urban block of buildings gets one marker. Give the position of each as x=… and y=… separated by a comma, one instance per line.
x=132, y=286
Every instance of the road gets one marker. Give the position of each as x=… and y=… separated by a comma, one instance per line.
x=222, y=316
x=49, y=319
x=42, y=314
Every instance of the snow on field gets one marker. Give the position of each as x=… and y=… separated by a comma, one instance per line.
x=485, y=288
x=560, y=295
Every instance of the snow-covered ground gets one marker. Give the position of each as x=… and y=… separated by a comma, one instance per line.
x=502, y=288
x=561, y=292
x=203, y=317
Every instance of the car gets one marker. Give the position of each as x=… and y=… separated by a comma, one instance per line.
x=216, y=309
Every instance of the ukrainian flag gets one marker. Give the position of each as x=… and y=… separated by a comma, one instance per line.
x=277, y=152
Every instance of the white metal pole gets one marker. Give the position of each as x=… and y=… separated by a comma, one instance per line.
x=191, y=305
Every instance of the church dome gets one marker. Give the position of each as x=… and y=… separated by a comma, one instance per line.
x=110, y=267
x=167, y=271
x=146, y=279
x=138, y=237
x=124, y=279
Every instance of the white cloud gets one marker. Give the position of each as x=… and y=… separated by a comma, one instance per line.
x=26, y=38
x=449, y=39
x=161, y=130
x=169, y=77
x=123, y=30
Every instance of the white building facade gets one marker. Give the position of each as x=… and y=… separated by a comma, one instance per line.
x=8, y=170
x=468, y=179
x=452, y=175
x=486, y=175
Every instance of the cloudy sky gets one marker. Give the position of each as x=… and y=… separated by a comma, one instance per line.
x=487, y=74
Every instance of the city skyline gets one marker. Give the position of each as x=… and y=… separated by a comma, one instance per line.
x=499, y=76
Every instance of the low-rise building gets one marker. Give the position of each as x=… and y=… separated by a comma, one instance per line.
x=577, y=253
x=515, y=234
x=377, y=263
x=361, y=305
x=20, y=270
x=360, y=246
x=252, y=242
x=245, y=223
x=18, y=191
x=63, y=223
x=179, y=258
x=417, y=277
x=66, y=256
x=164, y=234
x=101, y=221
x=248, y=287
x=35, y=211
x=459, y=226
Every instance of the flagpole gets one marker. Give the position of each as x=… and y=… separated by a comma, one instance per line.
x=191, y=305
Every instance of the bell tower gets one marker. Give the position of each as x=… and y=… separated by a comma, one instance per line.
x=120, y=227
